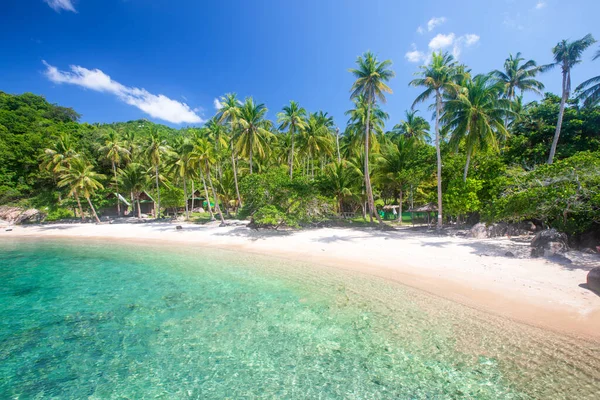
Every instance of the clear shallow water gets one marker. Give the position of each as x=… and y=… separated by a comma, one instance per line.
x=102, y=320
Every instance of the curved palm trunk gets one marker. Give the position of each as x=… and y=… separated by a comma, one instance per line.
x=292, y=153
x=563, y=100
x=212, y=217
x=438, y=107
x=139, y=206
x=235, y=177
x=187, y=211
x=367, y=177
x=93, y=210
x=117, y=189
x=467, y=165
x=79, y=206
x=157, y=211
x=217, y=207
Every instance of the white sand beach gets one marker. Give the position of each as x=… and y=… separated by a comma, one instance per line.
x=474, y=272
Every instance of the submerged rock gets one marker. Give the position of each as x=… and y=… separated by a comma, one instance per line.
x=593, y=279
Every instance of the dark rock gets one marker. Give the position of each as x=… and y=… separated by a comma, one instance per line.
x=509, y=254
x=549, y=242
x=479, y=231
x=179, y=227
x=593, y=279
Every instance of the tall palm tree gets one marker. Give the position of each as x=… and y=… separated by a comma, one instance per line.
x=354, y=135
x=589, y=91
x=253, y=130
x=59, y=154
x=202, y=158
x=81, y=179
x=519, y=76
x=114, y=151
x=155, y=150
x=292, y=119
x=413, y=126
x=217, y=134
x=229, y=113
x=343, y=180
x=438, y=78
x=181, y=167
x=135, y=179
x=476, y=116
x=566, y=55
x=371, y=77
x=315, y=140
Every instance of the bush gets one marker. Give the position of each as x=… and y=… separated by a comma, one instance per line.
x=58, y=213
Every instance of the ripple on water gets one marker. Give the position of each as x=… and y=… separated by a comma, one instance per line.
x=101, y=320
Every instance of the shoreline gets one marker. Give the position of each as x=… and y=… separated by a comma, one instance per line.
x=471, y=272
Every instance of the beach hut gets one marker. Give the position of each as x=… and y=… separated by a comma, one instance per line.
x=147, y=205
x=196, y=201
x=425, y=213
x=111, y=210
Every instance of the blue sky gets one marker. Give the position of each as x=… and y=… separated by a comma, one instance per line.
x=168, y=60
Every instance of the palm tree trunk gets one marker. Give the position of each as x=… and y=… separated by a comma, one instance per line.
x=187, y=211
x=467, y=164
x=117, y=189
x=400, y=209
x=93, y=210
x=563, y=100
x=337, y=144
x=212, y=217
x=235, y=177
x=193, y=193
x=438, y=109
x=367, y=177
x=139, y=207
x=157, y=211
x=217, y=207
x=79, y=206
x=292, y=153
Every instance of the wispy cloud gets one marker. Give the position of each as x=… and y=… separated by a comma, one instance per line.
x=462, y=42
x=431, y=24
x=157, y=106
x=217, y=104
x=58, y=5
x=540, y=4
x=415, y=55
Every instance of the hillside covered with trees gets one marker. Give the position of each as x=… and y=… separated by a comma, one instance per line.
x=485, y=154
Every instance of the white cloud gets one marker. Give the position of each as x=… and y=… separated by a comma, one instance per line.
x=58, y=5
x=420, y=30
x=435, y=21
x=415, y=55
x=471, y=39
x=441, y=41
x=157, y=106
x=540, y=4
x=464, y=41
x=217, y=104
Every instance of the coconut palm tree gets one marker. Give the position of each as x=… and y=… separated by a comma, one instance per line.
x=114, y=151
x=438, y=78
x=413, y=126
x=155, y=150
x=217, y=135
x=59, y=154
x=519, y=76
x=354, y=135
x=589, y=91
x=254, y=130
x=566, y=55
x=202, y=158
x=343, y=179
x=229, y=113
x=476, y=116
x=81, y=179
x=135, y=178
x=315, y=140
x=371, y=77
x=292, y=118
x=181, y=167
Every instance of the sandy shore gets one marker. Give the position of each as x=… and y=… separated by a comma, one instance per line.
x=476, y=273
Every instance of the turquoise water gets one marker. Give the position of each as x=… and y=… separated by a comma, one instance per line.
x=103, y=320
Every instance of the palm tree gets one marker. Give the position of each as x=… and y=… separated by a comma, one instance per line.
x=180, y=167
x=413, y=126
x=476, y=116
x=354, y=135
x=519, y=75
x=315, y=140
x=115, y=152
x=589, y=91
x=343, y=180
x=61, y=152
x=566, y=55
x=202, y=157
x=135, y=179
x=229, y=113
x=292, y=119
x=253, y=130
x=155, y=150
x=371, y=77
x=81, y=179
x=438, y=78
x=217, y=134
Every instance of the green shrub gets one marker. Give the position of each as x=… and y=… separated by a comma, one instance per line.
x=58, y=213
